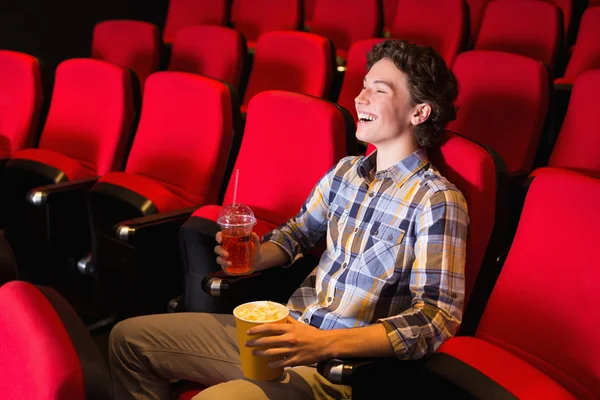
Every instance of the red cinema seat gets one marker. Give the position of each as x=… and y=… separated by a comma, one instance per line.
x=182, y=13
x=503, y=103
x=48, y=354
x=298, y=62
x=276, y=122
x=345, y=22
x=130, y=44
x=254, y=17
x=531, y=28
x=543, y=346
x=178, y=161
x=440, y=24
x=215, y=51
x=21, y=99
x=476, y=10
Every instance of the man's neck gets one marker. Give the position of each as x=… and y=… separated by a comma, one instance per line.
x=389, y=154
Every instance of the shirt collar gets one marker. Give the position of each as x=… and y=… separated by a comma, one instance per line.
x=399, y=172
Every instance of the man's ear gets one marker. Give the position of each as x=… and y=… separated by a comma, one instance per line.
x=422, y=112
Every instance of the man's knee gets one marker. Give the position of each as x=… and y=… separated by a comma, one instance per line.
x=123, y=337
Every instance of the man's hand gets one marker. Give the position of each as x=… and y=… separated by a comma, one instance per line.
x=222, y=258
x=293, y=343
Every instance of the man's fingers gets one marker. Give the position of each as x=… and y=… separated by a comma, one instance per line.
x=219, y=237
x=220, y=250
x=223, y=262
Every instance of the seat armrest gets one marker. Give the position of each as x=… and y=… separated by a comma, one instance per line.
x=371, y=377
x=126, y=231
x=3, y=162
x=60, y=191
x=276, y=284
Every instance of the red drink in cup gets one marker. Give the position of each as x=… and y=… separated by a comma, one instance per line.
x=236, y=221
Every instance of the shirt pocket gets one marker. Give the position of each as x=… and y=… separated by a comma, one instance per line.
x=337, y=217
x=378, y=259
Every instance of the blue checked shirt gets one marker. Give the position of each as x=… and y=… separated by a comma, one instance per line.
x=395, y=253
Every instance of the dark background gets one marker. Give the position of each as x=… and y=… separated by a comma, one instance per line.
x=55, y=30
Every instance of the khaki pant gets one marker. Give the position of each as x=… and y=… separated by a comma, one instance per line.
x=147, y=353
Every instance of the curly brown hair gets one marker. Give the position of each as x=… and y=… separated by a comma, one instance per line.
x=429, y=81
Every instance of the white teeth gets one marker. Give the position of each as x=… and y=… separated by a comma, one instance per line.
x=366, y=117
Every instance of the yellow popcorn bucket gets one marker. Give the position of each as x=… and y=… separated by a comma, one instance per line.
x=247, y=316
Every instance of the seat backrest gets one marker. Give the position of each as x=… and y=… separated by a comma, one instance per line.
x=578, y=144
x=185, y=133
x=275, y=177
x=502, y=104
x=586, y=54
x=480, y=174
x=476, y=10
x=440, y=24
x=21, y=98
x=542, y=308
x=356, y=69
x=531, y=28
x=346, y=22
x=130, y=44
x=91, y=114
x=255, y=17
x=214, y=51
x=566, y=9
x=183, y=13
x=47, y=352
x=291, y=61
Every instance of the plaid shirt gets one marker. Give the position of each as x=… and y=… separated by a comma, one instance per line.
x=395, y=252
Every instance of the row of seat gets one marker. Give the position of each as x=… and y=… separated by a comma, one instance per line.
x=300, y=61
x=512, y=354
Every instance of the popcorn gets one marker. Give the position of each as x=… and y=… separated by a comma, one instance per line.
x=265, y=312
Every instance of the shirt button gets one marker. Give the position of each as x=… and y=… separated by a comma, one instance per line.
x=329, y=299
x=376, y=233
x=390, y=237
x=453, y=295
x=306, y=320
x=371, y=194
x=355, y=230
x=344, y=265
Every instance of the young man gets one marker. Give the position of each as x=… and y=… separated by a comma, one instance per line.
x=391, y=282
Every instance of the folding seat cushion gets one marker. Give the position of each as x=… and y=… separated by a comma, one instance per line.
x=215, y=51
x=440, y=24
x=48, y=354
x=21, y=98
x=255, y=17
x=476, y=10
x=530, y=28
x=541, y=347
x=273, y=180
x=182, y=13
x=502, y=104
x=586, y=54
x=130, y=44
x=356, y=69
x=578, y=144
x=88, y=123
x=346, y=22
x=291, y=61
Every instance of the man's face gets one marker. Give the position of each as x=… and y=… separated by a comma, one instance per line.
x=383, y=106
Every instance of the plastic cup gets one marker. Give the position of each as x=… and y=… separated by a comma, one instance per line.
x=236, y=222
x=256, y=367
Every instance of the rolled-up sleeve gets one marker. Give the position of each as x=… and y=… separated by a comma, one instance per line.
x=307, y=228
x=437, y=281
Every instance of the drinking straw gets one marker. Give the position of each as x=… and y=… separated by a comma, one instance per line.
x=237, y=173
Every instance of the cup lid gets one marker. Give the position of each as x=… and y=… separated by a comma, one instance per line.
x=236, y=215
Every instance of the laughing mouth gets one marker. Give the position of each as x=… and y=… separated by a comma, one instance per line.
x=366, y=117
